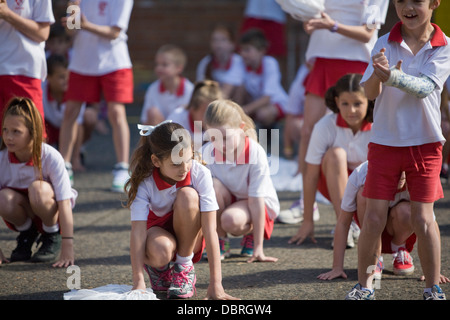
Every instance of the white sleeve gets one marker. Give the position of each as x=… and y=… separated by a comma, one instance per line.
x=205, y=189
x=42, y=11
x=259, y=176
x=355, y=181
x=121, y=13
x=141, y=204
x=322, y=138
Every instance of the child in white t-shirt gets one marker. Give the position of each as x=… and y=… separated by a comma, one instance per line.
x=24, y=26
x=408, y=71
x=173, y=214
x=223, y=65
x=264, y=96
x=171, y=90
x=35, y=193
x=248, y=202
x=100, y=67
x=338, y=145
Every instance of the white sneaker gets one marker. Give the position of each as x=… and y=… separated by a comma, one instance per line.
x=355, y=230
x=120, y=177
x=295, y=213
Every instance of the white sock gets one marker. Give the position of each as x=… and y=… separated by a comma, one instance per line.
x=50, y=229
x=395, y=247
x=25, y=226
x=187, y=261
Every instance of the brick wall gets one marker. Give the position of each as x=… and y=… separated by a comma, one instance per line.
x=188, y=23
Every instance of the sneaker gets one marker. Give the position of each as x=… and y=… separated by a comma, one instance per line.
x=159, y=280
x=355, y=230
x=247, y=245
x=49, y=249
x=183, y=282
x=70, y=172
x=435, y=294
x=25, y=241
x=379, y=269
x=358, y=293
x=224, y=244
x=294, y=214
x=403, y=262
x=120, y=177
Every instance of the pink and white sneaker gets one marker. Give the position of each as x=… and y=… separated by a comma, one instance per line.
x=403, y=262
x=183, y=282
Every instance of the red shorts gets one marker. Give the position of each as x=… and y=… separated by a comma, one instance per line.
x=52, y=134
x=20, y=86
x=386, y=239
x=274, y=32
x=326, y=72
x=116, y=86
x=322, y=184
x=422, y=165
x=268, y=222
x=166, y=223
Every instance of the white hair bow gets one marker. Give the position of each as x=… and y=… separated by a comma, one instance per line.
x=146, y=130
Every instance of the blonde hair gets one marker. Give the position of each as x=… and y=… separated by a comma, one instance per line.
x=178, y=55
x=204, y=92
x=226, y=112
x=25, y=108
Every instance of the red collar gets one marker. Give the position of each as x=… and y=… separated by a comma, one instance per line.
x=257, y=71
x=216, y=65
x=162, y=185
x=180, y=89
x=438, y=39
x=243, y=158
x=13, y=159
x=340, y=122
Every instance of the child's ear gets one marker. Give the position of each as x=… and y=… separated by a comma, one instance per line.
x=155, y=161
x=435, y=4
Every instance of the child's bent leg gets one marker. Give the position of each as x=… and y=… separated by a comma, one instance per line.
x=369, y=240
x=14, y=207
x=160, y=247
x=187, y=221
x=224, y=199
x=429, y=246
x=399, y=222
x=43, y=203
x=236, y=219
x=334, y=167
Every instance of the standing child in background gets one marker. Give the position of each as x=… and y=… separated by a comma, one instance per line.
x=173, y=212
x=267, y=16
x=262, y=93
x=248, y=202
x=223, y=65
x=340, y=43
x=54, y=90
x=204, y=93
x=35, y=193
x=171, y=90
x=338, y=145
x=24, y=26
x=100, y=66
x=408, y=71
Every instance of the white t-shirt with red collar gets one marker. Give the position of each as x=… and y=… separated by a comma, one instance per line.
x=157, y=96
x=94, y=55
x=401, y=119
x=19, y=175
x=19, y=55
x=158, y=196
x=232, y=73
x=332, y=131
x=247, y=176
x=266, y=81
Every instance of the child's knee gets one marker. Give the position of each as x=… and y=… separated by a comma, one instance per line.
x=40, y=192
x=187, y=199
x=7, y=201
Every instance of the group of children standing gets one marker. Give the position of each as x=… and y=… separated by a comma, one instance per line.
x=186, y=197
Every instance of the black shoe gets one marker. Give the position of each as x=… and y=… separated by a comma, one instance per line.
x=49, y=250
x=25, y=241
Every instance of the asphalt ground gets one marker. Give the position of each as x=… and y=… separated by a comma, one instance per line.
x=102, y=228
